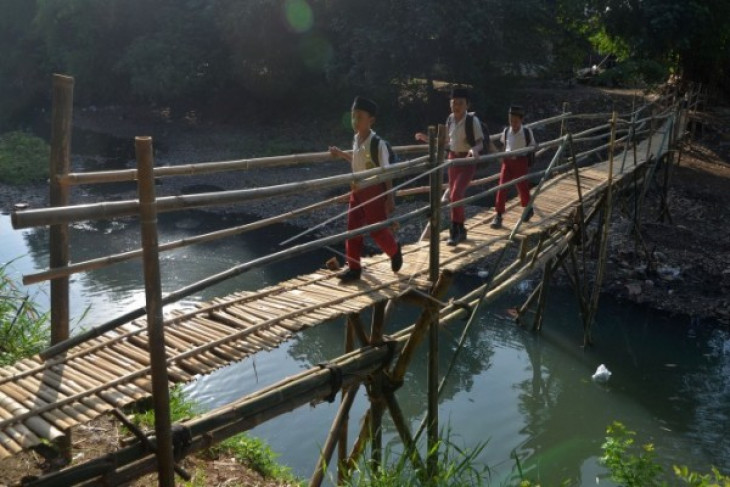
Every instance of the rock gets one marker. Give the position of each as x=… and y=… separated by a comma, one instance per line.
x=668, y=273
x=633, y=288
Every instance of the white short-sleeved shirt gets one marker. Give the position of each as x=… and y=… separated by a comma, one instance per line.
x=362, y=158
x=457, y=133
x=516, y=141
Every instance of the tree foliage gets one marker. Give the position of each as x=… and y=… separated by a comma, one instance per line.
x=293, y=52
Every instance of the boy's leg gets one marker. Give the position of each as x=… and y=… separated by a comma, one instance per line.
x=354, y=245
x=462, y=177
x=374, y=212
x=523, y=187
x=501, y=199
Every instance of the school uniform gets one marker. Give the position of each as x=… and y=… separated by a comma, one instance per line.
x=460, y=176
x=372, y=212
x=514, y=167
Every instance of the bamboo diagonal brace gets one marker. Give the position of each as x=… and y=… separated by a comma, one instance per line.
x=420, y=330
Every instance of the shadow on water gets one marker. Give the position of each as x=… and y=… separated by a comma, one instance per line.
x=532, y=395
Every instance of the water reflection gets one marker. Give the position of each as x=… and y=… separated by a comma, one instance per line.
x=520, y=392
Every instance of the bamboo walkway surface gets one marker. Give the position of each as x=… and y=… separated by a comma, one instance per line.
x=39, y=399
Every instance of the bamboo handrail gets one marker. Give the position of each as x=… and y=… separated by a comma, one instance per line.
x=99, y=211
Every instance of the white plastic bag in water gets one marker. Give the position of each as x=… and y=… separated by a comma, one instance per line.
x=602, y=374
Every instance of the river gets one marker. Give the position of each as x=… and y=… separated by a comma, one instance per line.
x=512, y=390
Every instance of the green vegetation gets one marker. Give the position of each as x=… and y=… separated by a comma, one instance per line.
x=456, y=467
x=633, y=465
x=181, y=409
x=23, y=329
x=630, y=465
x=251, y=452
x=254, y=453
x=23, y=158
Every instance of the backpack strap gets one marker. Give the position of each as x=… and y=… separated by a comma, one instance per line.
x=375, y=149
x=528, y=136
x=469, y=129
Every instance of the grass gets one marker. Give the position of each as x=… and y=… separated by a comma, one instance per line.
x=24, y=330
x=457, y=466
x=253, y=453
x=23, y=158
x=181, y=408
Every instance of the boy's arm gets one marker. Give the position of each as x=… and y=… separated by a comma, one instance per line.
x=337, y=152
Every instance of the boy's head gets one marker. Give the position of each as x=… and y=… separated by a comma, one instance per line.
x=459, y=101
x=363, y=114
x=516, y=114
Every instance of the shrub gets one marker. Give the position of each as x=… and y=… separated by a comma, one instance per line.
x=23, y=158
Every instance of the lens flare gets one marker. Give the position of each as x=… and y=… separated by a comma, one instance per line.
x=299, y=15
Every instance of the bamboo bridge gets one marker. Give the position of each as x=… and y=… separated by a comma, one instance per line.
x=137, y=356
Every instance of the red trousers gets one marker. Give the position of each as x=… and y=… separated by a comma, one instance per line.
x=513, y=168
x=368, y=214
x=459, y=179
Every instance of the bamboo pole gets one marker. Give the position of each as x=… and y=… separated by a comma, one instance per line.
x=419, y=330
x=352, y=327
x=432, y=310
x=541, y=300
x=107, y=210
x=299, y=390
x=58, y=241
x=606, y=223
x=153, y=299
x=125, y=175
x=334, y=437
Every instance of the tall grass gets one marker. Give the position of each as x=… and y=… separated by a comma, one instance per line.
x=457, y=467
x=24, y=330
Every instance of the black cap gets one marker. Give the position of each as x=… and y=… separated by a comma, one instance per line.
x=365, y=105
x=517, y=110
x=460, y=93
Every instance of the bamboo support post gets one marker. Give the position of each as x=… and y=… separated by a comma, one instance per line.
x=420, y=329
x=334, y=437
x=432, y=310
x=542, y=299
x=60, y=164
x=353, y=325
x=401, y=425
x=603, y=251
x=153, y=299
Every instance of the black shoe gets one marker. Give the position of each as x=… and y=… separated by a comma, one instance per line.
x=497, y=222
x=453, y=235
x=396, y=262
x=529, y=214
x=462, y=233
x=350, y=275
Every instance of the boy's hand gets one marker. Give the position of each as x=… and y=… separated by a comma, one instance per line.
x=337, y=152
x=421, y=137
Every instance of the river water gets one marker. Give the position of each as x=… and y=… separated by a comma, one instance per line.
x=513, y=391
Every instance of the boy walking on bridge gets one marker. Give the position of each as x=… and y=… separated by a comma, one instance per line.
x=466, y=139
x=514, y=137
x=368, y=203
